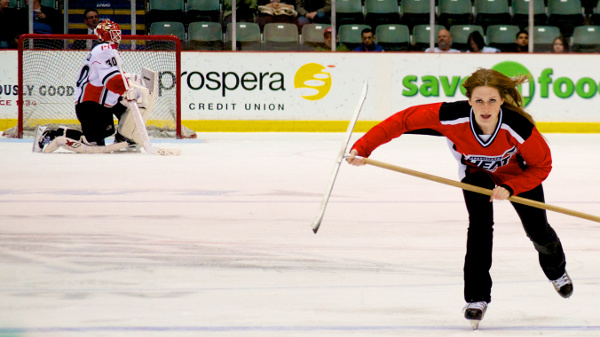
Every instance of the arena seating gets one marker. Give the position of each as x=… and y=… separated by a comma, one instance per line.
x=196, y=22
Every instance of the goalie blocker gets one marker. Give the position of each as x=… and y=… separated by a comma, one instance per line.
x=142, y=89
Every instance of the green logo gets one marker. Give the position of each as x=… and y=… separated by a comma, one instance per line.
x=511, y=69
x=548, y=84
x=564, y=87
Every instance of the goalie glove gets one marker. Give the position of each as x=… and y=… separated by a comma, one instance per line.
x=132, y=94
x=138, y=94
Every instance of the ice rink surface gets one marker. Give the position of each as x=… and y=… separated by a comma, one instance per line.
x=218, y=242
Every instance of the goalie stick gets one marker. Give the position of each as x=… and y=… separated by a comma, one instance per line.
x=481, y=190
x=139, y=121
x=317, y=222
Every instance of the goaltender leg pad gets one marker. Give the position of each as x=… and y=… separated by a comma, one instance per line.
x=127, y=127
x=48, y=141
x=45, y=139
x=82, y=146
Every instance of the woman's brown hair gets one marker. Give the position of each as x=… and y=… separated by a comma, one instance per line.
x=506, y=86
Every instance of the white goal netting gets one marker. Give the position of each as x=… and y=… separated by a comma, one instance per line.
x=48, y=73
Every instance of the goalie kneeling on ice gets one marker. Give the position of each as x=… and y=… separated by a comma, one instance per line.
x=146, y=88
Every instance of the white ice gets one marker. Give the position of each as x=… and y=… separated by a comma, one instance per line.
x=218, y=242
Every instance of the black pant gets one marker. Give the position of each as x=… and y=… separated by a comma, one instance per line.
x=478, y=259
x=97, y=120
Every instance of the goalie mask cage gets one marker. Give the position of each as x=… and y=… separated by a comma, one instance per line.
x=48, y=73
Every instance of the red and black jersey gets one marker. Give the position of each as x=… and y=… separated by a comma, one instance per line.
x=515, y=155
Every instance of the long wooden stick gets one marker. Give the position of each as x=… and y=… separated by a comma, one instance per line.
x=481, y=190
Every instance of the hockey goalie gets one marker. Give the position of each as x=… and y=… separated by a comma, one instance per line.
x=103, y=92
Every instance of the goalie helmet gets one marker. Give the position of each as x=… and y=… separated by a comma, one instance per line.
x=108, y=31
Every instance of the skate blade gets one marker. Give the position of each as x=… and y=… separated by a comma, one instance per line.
x=474, y=324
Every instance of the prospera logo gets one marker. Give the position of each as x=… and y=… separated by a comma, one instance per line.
x=311, y=80
x=309, y=76
x=545, y=85
x=313, y=76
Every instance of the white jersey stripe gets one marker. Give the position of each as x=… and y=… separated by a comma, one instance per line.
x=513, y=133
x=456, y=121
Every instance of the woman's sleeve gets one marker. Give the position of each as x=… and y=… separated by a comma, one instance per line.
x=537, y=157
x=414, y=118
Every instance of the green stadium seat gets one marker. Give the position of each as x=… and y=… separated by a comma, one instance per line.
x=492, y=12
x=415, y=12
x=455, y=12
x=205, y=36
x=349, y=12
x=247, y=35
x=565, y=14
x=381, y=12
x=502, y=36
x=586, y=39
x=393, y=37
x=281, y=37
x=520, y=9
x=203, y=10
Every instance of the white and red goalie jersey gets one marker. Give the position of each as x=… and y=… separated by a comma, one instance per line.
x=99, y=78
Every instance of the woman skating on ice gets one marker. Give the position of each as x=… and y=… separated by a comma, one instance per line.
x=499, y=148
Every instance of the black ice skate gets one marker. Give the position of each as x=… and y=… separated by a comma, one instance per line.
x=563, y=285
x=132, y=146
x=474, y=312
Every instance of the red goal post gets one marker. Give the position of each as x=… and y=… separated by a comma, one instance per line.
x=48, y=73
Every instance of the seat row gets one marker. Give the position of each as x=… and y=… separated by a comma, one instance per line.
x=392, y=37
x=565, y=14
x=22, y=3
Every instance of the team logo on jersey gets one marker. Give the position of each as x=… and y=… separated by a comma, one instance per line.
x=314, y=77
x=491, y=163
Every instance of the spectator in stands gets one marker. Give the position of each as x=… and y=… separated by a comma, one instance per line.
x=8, y=34
x=588, y=11
x=46, y=20
x=245, y=11
x=91, y=20
x=328, y=40
x=276, y=11
x=477, y=45
x=368, y=41
x=444, y=43
x=313, y=11
x=560, y=45
x=522, y=42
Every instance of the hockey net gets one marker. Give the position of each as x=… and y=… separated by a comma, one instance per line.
x=48, y=73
